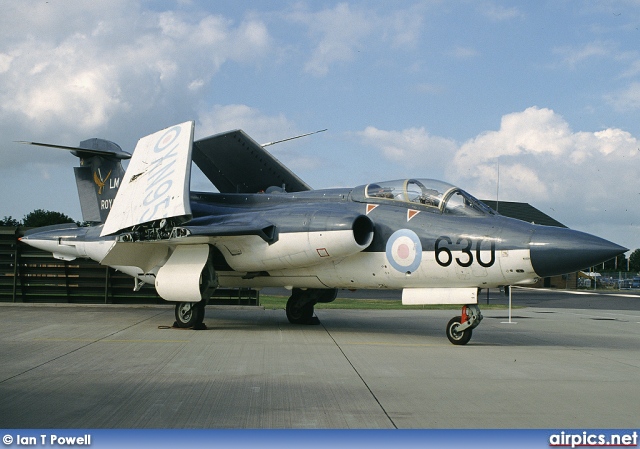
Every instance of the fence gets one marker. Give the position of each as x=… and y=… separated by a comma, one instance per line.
x=616, y=280
x=28, y=274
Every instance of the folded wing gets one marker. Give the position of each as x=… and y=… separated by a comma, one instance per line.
x=235, y=163
x=156, y=183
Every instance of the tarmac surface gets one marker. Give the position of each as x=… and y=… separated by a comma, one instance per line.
x=560, y=366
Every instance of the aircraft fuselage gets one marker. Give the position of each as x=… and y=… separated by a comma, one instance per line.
x=410, y=247
x=426, y=249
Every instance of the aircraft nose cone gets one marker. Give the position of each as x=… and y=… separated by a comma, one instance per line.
x=556, y=251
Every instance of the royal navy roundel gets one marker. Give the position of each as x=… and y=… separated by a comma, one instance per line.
x=404, y=251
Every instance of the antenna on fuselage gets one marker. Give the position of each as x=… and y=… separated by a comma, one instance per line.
x=291, y=138
x=498, y=189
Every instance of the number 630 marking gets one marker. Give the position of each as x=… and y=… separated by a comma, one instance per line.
x=444, y=257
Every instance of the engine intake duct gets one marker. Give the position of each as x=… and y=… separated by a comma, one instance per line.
x=363, y=230
x=340, y=238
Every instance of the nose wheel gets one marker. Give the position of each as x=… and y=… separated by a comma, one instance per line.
x=460, y=328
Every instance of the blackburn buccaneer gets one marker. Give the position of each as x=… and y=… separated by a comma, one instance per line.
x=267, y=228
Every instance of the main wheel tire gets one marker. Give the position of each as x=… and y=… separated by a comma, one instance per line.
x=189, y=314
x=458, y=338
x=298, y=313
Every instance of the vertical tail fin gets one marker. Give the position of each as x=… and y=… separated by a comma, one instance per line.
x=98, y=177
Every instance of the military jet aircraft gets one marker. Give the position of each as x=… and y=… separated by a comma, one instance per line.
x=268, y=228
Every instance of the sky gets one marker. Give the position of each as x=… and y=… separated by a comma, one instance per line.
x=536, y=102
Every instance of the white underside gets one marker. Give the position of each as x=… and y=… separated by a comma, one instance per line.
x=373, y=271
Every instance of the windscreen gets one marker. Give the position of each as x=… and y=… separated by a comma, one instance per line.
x=437, y=196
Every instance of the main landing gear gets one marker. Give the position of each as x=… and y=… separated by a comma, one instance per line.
x=301, y=303
x=459, y=328
x=190, y=315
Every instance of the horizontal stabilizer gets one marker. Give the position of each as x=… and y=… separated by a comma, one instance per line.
x=88, y=148
x=156, y=183
x=55, y=227
x=98, y=176
x=235, y=163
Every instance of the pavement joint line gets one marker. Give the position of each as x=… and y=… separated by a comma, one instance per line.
x=404, y=345
x=113, y=340
x=360, y=376
x=601, y=315
x=626, y=315
x=580, y=292
x=79, y=348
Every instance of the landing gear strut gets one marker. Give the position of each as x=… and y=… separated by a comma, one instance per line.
x=459, y=328
x=299, y=312
x=301, y=303
x=190, y=315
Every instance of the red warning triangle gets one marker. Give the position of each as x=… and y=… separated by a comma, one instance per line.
x=412, y=213
x=370, y=207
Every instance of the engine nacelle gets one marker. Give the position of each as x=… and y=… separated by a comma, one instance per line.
x=297, y=249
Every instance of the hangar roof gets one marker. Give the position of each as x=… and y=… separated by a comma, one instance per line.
x=523, y=211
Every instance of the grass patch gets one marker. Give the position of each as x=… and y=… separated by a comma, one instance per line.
x=280, y=302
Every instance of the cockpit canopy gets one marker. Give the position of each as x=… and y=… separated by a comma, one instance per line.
x=435, y=196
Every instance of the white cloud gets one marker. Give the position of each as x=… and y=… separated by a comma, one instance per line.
x=261, y=127
x=519, y=174
x=540, y=160
x=5, y=62
x=413, y=147
x=573, y=56
x=633, y=70
x=625, y=100
x=113, y=60
x=499, y=13
x=171, y=25
x=610, y=141
x=220, y=118
x=531, y=131
x=338, y=33
x=405, y=27
x=53, y=85
x=464, y=52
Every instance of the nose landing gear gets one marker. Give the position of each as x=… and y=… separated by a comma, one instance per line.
x=459, y=328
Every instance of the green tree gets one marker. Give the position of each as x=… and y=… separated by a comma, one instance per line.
x=41, y=217
x=9, y=221
x=620, y=265
x=634, y=261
